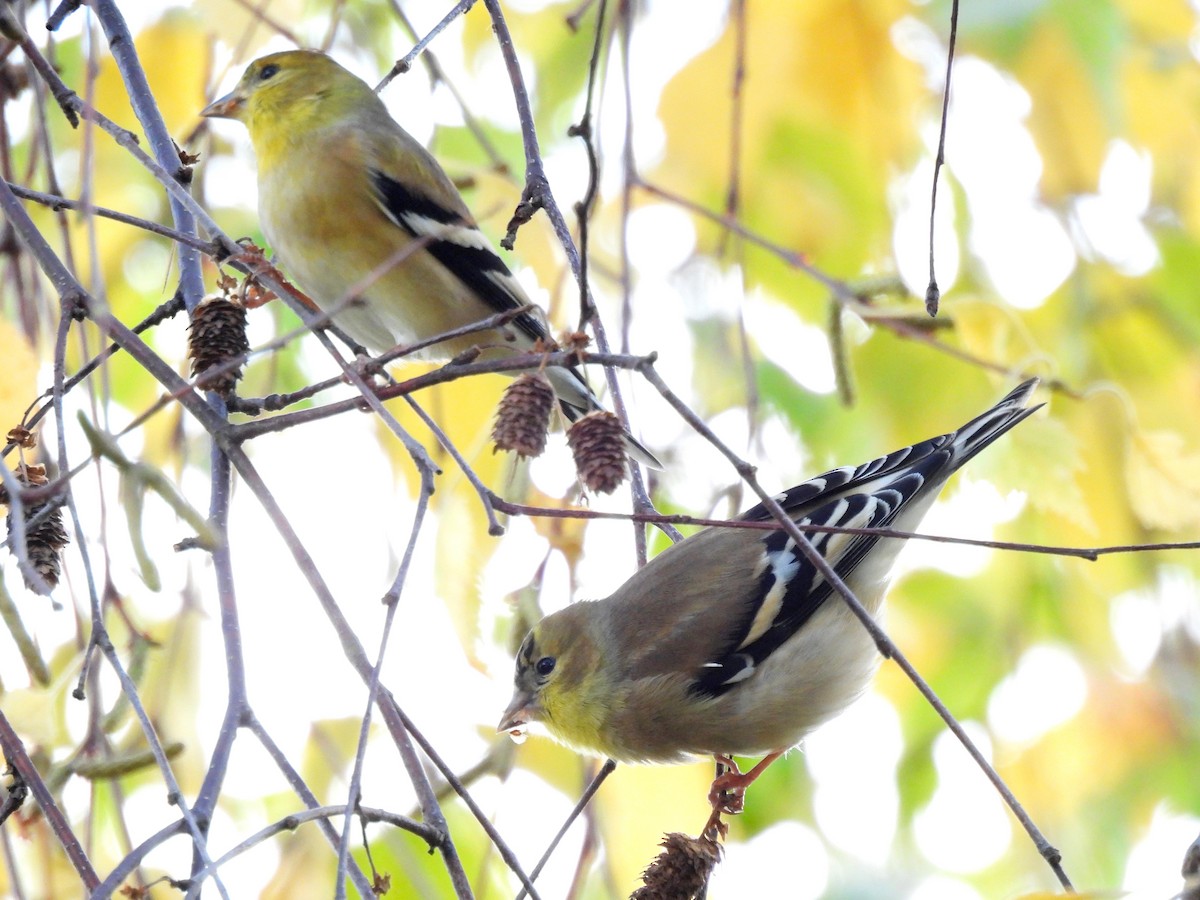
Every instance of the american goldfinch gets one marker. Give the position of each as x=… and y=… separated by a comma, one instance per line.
x=731, y=642
x=343, y=190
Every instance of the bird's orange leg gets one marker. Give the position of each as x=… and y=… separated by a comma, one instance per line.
x=728, y=791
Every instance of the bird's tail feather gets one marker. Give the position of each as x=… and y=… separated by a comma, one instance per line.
x=987, y=427
x=577, y=400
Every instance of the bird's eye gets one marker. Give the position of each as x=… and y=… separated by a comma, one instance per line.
x=268, y=71
x=545, y=665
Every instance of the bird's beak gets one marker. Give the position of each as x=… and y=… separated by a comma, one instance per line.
x=227, y=107
x=521, y=711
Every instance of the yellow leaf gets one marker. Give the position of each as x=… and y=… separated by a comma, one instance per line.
x=248, y=26
x=1064, y=770
x=463, y=409
x=18, y=386
x=678, y=795
x=170, y=689
x=991, y=330
x=829, y=107
x=1189, y=201
x=1044, y=460
x=1152, y=93
x=1158, y=20
x=176, y=54
x=303, y=871
x=38, y=713
x=1067, y=121
x=1164, y=480
x=831, y=63
x=36, y=717
x=328, y=751
x=564, y=534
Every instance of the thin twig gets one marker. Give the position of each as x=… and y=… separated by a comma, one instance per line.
x=165, y=311
x=260, y=14
x=55, y=202
x=884, y=643
x=132, y=860
x=495, y=529
x=584, y=208
x=391, y=601
x=586, y=798
x=231, y=636
x=537, y=195
x=846, y=294
x=352, y=649
x=321, y=813
x=932, y=292
x=1090, y=554
x=624, y=31
x=457, y=786
x=253, y=406
x=733, y=193
x=15, y=756
x=120, y=42
x=405, y=62
x=733, y=200
x=840, y=289
x=452, y=371
x=437, y=75
x=302, y=790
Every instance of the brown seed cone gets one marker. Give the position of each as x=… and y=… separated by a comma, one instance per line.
x=14, y=78
x=216, y=335
x=45, y=540
x=523, y=417
x=681, y=871
x=22, y=437
x=598, y=444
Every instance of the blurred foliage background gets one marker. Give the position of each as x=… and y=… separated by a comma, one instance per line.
x=762, y=225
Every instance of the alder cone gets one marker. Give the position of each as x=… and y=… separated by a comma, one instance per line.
x=598, y=444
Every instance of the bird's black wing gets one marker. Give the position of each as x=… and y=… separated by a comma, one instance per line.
x=459, y=246
x=790, y=589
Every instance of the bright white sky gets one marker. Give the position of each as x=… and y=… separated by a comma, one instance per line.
x=1026, y=250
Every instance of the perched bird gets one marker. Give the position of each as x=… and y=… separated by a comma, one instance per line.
x=343, y=194
x=731, y=642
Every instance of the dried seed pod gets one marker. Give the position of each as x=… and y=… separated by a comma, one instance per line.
x=598, y=444
x=523, y=417
x=22, y=437
x=681, y=871
x=255, y=295
x=45, y=540
x=14, y=78
x=217, y=335
x=577, y=341
x=467, y=357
